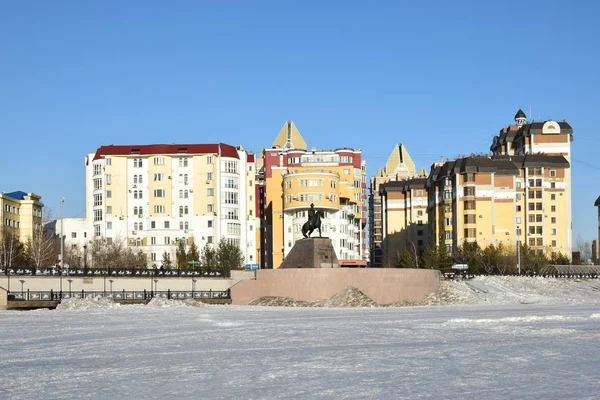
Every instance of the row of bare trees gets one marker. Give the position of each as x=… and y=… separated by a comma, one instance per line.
x=492, y=259
x=39, y=250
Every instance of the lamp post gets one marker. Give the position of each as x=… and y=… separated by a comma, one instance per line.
x=22, y=282
x=62, y=233
x=193, y=286
x=70, y=291
x=111, y=282
x=519, y=256
x=8, y=275
x=156, y=285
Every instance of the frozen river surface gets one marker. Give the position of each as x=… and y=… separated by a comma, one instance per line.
x=520, y=351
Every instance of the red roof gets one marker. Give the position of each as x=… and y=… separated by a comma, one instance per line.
x=153, y=149
x=250, y=158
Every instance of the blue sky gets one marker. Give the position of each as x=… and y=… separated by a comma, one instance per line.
x=441, y=77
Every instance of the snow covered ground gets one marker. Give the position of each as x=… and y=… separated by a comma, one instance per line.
x=517, y=339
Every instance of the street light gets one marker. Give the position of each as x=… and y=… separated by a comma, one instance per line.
x=193, y=286
x=156, y=285
x=70, y=291
x=111, y=282
x=22, y=282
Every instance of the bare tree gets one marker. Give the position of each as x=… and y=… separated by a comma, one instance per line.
x=41, y=248
x=584, y=248
x=11, y=249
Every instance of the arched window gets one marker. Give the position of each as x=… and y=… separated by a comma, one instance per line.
x=141, y=226
x=135, y=211
x=140, y=212
x=186, y=225
x=135, y=226
x=185, y=179
x=135, y=194
x=135, y=179
x=181, y=225
x=138, y=242
x=185, y=194
x=180, y=178
x=139, y=194
x=186, y=210
x=181, y=194
x=180, y=210
x=140, y=179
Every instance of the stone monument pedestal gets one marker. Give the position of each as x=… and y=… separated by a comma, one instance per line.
x=315, y=252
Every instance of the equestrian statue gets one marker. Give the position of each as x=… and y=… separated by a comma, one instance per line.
x=314, y=221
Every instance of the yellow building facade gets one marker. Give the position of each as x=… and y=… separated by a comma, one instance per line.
x=404, y=218
x=501, y=200
x=293, y=179
x=22, y=214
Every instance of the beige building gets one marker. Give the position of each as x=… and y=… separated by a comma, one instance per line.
x=154, y=196
x=22, y=214
x=501, y=199
x=398, y=166
x=292, y=178
x=404, y=218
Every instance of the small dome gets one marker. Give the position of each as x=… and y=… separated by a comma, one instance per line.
x=520, y=114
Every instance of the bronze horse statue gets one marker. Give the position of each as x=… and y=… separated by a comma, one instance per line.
x=313, y=223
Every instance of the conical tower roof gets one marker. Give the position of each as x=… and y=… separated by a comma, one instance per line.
x=520, y=114
x=289, y=137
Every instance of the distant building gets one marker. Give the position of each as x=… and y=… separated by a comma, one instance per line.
x=152, y=197
x=21, y=214
x=291, y=178
x=404, y=218
x=398, y=166
x=502, y=199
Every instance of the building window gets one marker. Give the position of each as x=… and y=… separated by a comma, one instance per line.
x=97, y=215
x=518, y=219
x=73, y=235
x=553, y=208
x=209, y=160
x=448, y=221
x=159, y=192
x=167, y=240
x=470, y=232
x=159, y=177
x=108, y=194
x=469, y=191
x=552, y=196
x=553, y=231
x=531, y=242
x=518, y=208
x=419, y=233
x=469, y=205
x=209, y=239
x=553, y=220
x=167, y=224
x=469, y=218
x=96, y=230
x=419, y=213
x=109, y=225
x=210, y=192
x=185, y=179
x=159, y=209
x=159, y=161
x=153, y=241
x=553, y=173
x=209, y=176
x=210, y=224
x=518, y=184
x=554, y=243
x=152, y=224
x=470, y=177
x=540, y=241
x=519, y=232
x=210, y=208
x=109, y=209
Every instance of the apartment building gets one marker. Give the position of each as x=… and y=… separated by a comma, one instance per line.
x=21, y=214
x=404, y=218
x=154, y=196
x=292, y=178
x=501, y=199
x=398, y=166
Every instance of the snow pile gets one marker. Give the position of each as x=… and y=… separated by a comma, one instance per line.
x=164, y=302
x=448, y=293
x=347, y=297
x=89, y=303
